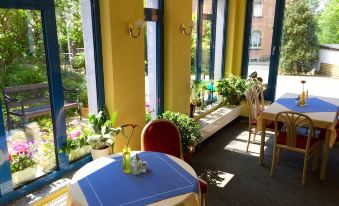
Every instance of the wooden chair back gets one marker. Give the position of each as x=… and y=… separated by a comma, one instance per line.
x=292, y=122
x=259, y=93
x=253, y=110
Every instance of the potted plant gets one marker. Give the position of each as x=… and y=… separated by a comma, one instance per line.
x=23, y=166
x=189, y=132
x=232, y=89
x=195, y=97
x=103, y=136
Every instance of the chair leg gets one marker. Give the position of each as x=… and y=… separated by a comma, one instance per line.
x=249, y=138
x=274, y=158
x=304, y=169
x=255, y=134
x=278, y=154
x=204, y=199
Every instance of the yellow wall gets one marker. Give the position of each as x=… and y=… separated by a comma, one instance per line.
x=123, y=65
x=177, y=55
x=123, y=58
x=235, y=36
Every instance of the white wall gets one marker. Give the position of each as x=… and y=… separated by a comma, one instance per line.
x=328, y=56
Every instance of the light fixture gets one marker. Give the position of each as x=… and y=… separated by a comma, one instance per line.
x=139, y=25
x=185, y=30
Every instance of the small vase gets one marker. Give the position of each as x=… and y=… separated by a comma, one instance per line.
x=126, y=159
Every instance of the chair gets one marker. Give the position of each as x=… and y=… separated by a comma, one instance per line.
x=289, y=139
x=253, y=114
x=163, y=136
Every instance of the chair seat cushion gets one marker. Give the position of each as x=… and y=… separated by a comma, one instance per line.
x=301, y=140
x=203, y=186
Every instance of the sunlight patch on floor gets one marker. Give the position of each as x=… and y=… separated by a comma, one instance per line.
x=240, y=142
x=224, y=179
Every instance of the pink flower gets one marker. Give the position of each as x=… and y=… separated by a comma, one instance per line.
x=75, y=134
x=10, y=157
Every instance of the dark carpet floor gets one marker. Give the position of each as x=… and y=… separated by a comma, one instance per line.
x=235, y=177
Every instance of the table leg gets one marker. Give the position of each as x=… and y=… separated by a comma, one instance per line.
x=262, y=142
x=325, y=155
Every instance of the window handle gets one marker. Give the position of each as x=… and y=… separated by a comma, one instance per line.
x=273, y=50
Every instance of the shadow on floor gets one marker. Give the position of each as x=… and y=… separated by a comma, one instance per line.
x=235, y=177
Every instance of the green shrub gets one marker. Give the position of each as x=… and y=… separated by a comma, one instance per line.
x=78, y=62
x=189, y=129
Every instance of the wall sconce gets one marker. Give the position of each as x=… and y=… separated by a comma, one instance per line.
x=139, y=25
x=185, y=30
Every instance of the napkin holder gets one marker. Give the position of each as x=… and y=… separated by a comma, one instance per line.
x=138, y=166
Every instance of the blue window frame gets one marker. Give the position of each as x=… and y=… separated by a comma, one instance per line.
x=47, y=9
x=275, y=46
x=155, y=15
x=207, y=13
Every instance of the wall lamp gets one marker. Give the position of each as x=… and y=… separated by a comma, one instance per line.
x=185, y=30
x=138, y=25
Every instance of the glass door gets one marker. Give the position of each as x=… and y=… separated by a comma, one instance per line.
x=31, y=93
x=262, y=41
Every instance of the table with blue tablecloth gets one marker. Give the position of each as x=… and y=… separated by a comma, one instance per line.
x=168, y=181
x=322, y=110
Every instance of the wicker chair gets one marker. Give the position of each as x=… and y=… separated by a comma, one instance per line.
x=163, y=136
x=289, y=139
x=253, y=114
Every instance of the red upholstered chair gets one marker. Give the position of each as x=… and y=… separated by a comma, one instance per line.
x=289, y=139
x=163, y=136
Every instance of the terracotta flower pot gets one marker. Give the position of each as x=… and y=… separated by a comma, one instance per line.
x=84, y=111
x=188, y=157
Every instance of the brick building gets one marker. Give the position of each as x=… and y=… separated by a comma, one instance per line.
x=262, y=29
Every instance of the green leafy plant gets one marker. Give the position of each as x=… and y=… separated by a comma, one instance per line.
x=21, y=156
x=232, y=89
x=188, y=128
x=104, y=131
x=196, y=88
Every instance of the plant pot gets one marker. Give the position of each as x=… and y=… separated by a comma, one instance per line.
x=192, y=110
x=84, y=111
x=100, y=153
x=23, y=176
x=188, y=157
x=234, y=99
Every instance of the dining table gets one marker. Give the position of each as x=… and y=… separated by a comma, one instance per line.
x=322, y=110
x=168, y=181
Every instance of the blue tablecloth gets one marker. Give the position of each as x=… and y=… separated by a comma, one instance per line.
x=164, y=179
x=312, y=105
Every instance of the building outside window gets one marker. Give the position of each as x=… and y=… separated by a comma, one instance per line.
x=256, y=40
x=257, y=9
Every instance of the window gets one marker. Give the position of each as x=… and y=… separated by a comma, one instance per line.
x=257, y=10
x=208, y=44
x=46, y=92
x=153, y=58
x=256, y=40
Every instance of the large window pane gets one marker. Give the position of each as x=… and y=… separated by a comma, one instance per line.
x=26, y=98
x=261, y=38
x=78, y=72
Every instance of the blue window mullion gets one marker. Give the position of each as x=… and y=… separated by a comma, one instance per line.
x=160, y=58
x=213, y=34
x=6, y=185
x=224, y=40
x=199, y=40
x=55, y=85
